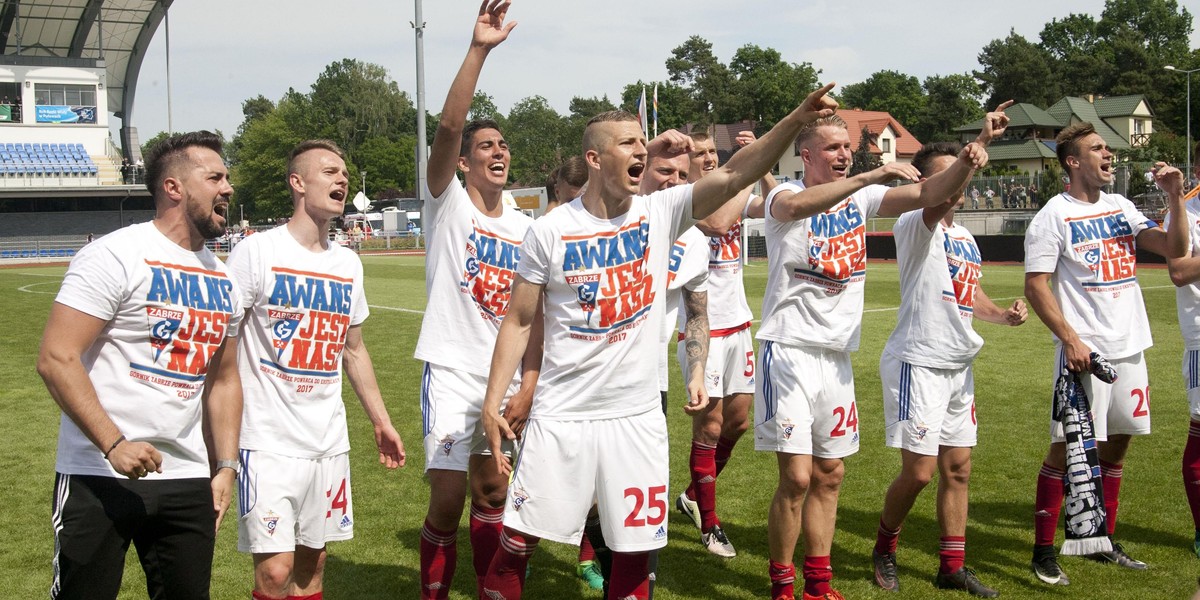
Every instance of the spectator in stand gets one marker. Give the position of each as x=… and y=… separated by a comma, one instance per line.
x=990, y=195
x=975, y=197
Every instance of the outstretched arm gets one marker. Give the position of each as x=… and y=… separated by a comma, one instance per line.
x=361, y=373
x=994, y=124
x=937, y=189
x=752, y=162
x=490, y=31
x=987, y=310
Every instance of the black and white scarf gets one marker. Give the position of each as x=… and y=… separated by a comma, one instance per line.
x=1085, y=519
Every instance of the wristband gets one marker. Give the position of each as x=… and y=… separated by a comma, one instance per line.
x=113, y=446
x=232, y=464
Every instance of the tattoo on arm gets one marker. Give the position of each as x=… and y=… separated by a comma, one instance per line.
x=695, y=333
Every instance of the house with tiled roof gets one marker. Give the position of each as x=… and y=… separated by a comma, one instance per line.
x=890, y=141
x=1028, y=143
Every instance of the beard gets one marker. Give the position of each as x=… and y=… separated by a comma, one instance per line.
x=205, y=221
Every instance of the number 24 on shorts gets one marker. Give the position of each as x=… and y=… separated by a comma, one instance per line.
x=845, y=420
x=654, y=503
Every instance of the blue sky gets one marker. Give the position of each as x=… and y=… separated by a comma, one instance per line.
x=225, y=51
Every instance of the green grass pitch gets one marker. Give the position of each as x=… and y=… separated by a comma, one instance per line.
x=1013, y=382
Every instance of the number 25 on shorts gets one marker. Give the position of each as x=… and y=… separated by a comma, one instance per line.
x=654, y=503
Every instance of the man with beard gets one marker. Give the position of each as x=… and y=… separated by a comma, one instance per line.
x=473, y=248
x=305, y=307
x=137, y=356
x=598, y=267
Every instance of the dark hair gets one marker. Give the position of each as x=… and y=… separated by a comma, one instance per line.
x=924, y=157
x=469, y=133
x=162, y=156
x=1068, y=141
x=551, y=181
x=574, y=171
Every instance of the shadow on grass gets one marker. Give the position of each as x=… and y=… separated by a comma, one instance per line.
x=368, y=580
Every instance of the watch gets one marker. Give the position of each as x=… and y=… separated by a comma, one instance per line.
x=230, y=464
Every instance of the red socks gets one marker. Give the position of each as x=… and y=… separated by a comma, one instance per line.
x=506, y=575
x=586, y=552
x=952, y=554
x=630, y=576
x=783, y=577
x=1110, y=475
x=486, y=523
x=439, y=553
x=724, y=450
x=817, y=575
x=1191, y=471
x=885, y=539
x=1047, y=505
x=702, y=463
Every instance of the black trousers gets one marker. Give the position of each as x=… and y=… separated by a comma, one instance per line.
x=170, y=522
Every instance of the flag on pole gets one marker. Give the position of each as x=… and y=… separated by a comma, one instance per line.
x=641, y=109
x=656, y=110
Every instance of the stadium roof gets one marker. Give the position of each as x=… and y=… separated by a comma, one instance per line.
x=115, y=31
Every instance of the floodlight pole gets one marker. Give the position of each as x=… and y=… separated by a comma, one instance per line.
x=418, y=25
x=1188, y=168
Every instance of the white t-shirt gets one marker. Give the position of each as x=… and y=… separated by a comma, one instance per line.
x=939, y=276
x=469, y=268
x=1090, y=252
x=688, y=270
x=1187, y=298
x=727, y=305
x=168, y=310
x=816, y=270
x=605, y=282
x=301, y=306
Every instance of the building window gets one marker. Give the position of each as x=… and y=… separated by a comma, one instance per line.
x=886, y=145
x=10, y=102
x=65, y=103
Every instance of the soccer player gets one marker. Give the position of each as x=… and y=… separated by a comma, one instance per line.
x=729, y=368
x=928, y=384
x=596, y=430
x=474, y=246
x=1083, y=244
x=1185, y=274
x=804, y=409
x=305, y=307
x=136, y=353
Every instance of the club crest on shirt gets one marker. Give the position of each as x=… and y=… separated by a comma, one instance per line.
x=165, y=323
x=283, y=327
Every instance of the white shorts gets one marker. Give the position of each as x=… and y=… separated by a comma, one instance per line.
x=620, y=464
x=730, y=366
x=924, y=408
x=1118, y=408
x=284, y=502
x=452, y=410
x=1191, y=380
x=804, y=403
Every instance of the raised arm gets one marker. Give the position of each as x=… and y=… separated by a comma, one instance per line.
x=356, y=360
x=936, y=189
x=511, y=344
x=793, y=206
x=994, y=124
x=752, y=162
x=69, y=333
x=723, y=218
x=490, y=30
x=1174, y=241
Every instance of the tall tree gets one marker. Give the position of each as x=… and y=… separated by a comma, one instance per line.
x=1081, y=60
x=864, y=159
x=708, y=81
x=889, y=91
x=767, y=87
x=1014, y=68
x=356, y=100
x=483, y=106
x=535, y=133
x=676, y=107
x=951, y=100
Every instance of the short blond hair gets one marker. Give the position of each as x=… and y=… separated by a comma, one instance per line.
x=808, y=132
x=592, y=138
